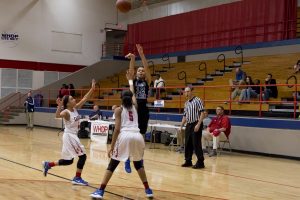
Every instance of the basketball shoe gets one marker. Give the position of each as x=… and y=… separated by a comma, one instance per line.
x=98, y=194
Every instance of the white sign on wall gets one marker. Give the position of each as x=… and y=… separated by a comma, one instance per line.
x=159, y=103
x=9, y=38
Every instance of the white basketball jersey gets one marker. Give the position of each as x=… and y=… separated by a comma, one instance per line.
x=129, y=120
x=72, y=125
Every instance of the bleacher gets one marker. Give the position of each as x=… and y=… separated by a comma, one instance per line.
x=281, y=66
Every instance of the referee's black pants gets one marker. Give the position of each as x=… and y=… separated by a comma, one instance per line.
x=193, y=142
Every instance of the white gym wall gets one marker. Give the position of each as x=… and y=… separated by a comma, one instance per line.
x=51, y=31
x=55, y=31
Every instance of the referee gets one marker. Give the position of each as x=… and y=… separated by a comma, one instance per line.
x=193, y=116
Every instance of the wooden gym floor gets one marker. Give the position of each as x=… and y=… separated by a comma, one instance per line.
x=228, y=176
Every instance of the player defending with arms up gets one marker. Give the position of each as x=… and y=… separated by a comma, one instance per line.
x=71, y=143
x=127, y=141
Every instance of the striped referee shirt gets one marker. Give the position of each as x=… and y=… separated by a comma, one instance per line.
x=192, y=109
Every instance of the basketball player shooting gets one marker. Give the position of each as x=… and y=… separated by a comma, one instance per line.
x=72, y=146
x=141, y=89
x=127, y=142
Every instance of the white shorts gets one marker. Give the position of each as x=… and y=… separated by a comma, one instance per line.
x=129, y=144
x=71, y=146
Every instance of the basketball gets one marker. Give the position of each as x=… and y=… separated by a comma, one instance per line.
x=123, y=6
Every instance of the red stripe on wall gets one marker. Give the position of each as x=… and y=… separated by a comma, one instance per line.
x=39, y=66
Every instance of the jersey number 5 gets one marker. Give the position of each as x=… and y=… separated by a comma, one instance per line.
x=130, y=116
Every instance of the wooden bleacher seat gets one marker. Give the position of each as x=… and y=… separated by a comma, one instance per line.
x=259, y=67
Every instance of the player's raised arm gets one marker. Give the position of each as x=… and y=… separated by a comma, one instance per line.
x=59, y=113
x=132, y=62
x=130, y=77
x=87, y=95
x=145, y=62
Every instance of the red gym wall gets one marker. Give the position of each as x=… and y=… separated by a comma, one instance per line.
x=39, y=66
x=243, y=22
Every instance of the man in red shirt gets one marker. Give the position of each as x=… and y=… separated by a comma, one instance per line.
x=218, y=129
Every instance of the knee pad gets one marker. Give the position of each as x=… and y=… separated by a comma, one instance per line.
x=81, y=161
x=65, y=162
x=113, y=164
x=138, y=164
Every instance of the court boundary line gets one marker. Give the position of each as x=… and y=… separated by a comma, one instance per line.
x=58, y=176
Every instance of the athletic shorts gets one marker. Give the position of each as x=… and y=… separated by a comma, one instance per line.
x=72, y=146
x=129, y=144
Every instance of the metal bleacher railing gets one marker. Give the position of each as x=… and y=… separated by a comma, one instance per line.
x=106, y=97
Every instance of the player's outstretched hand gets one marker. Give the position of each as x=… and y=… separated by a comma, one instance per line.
x=58, y=102
x=130, y=56
x=140, y=49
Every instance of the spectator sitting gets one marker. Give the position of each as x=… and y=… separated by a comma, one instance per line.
x=243, y=95
x=270, y=91
x=206, y=122
x=219, y=128
x=60, y=91
x=64, y=91
x=96, y=114
x=159, y=83
x=250, y=91
x=237, y=91
x=297, y=67
x=239, y=75
x=254, y=91
x=72, y=90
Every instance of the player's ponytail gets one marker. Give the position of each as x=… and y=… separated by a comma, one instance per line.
x=65, y=101
x=127, y=99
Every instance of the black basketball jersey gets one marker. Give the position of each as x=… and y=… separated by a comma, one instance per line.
x=141, y=88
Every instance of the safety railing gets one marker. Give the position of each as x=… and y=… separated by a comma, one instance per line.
x=222, y=59
x=239, y=51
x=182, y=76
x=211, y=95
x=166, y=58
x=204, y=68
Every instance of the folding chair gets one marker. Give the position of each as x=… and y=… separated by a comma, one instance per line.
x=226, y=141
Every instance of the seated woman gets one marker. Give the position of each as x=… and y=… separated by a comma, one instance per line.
x=254, y=91
x=251, y=91
x=238, y=90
